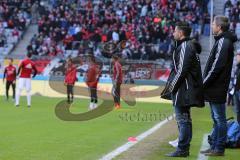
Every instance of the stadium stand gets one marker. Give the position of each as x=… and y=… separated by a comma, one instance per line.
x=15, y=16
x=232, y=10
x=145, y=27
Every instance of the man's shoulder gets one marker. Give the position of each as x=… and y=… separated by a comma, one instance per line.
x=24, y=61
x=10, y=67
x=193, y=46
x=227, y=41
x=27, y=62
x=13, y=66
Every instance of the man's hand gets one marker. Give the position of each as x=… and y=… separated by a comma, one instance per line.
x=14, y=82
x=33, y=76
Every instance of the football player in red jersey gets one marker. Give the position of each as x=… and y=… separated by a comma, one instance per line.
x=117, y=81
x=10, y=74
x=25, y=70
x=70, y=79
x=92, y=77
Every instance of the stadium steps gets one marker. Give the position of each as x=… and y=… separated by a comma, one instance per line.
x=21, y=48
x=218, y=7
x=204, y=41
x=54, y=63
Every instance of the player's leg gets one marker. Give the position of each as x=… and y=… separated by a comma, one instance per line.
x=7, y=89
x=28, y=87
x=71, y=92
x=117, y=96
x=68, y=93
x=91, y=105
x=95, y=98
x=19, y=90
x=14, y=89
x=118, y=90
x=114, y=94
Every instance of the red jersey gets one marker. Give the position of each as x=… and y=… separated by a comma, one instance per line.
x=92, y=76
x=10, y=73
x=71, y=75
x=117, y=72
x=27, y=66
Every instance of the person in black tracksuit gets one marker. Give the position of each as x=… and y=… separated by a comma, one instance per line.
x=217, y=76
x=10, y=74
x=236, y=84
x=185, y=85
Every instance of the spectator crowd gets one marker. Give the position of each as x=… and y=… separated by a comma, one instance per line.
x=232, y=10
x=15, y=15
x=145, y=26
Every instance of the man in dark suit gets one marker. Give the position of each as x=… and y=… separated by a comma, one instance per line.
x=184, y=86
x=217, y=76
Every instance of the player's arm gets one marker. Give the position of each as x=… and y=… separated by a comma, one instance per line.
x=75, y=73
x=98, y=73
x=4, y=74
x=65, y=79
x=88, y=75
x=34, y=71
x=19, y=68
x=15, y=75
x=117, y=68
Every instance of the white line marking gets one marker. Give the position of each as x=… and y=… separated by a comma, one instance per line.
x=204, y=146
x=139, y=138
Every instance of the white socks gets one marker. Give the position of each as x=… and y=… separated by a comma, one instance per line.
x=92, y=106
x=17, y=97
x=29, y=98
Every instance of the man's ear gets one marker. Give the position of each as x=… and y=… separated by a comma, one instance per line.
x=238, y=58
x=180, y=32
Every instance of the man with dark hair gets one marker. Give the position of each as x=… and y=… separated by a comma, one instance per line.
x=185, y=28
x=26, y=67
x=70, y=79
x=117, y=81
x=217, y=76
x=184, y=85
x=10, y=74
x=92, y=77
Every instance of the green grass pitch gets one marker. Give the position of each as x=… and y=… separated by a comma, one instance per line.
x=36, y=133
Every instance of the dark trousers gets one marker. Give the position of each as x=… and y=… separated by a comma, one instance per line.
x=8, y=84
x=237, y=105
x=184, y=122
x=70, y=93
x=116, y=92
x=93, y=94
x=219, y=134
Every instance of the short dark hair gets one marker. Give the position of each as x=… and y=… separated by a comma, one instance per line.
x=115, y=57
x=92, y=59
x=223, y=22
x=70, y=59
x=11, y=59
x=185, y=28
x=29, y=54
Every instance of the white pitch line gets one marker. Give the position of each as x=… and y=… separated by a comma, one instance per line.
x=139, y=138
x=204, y=146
